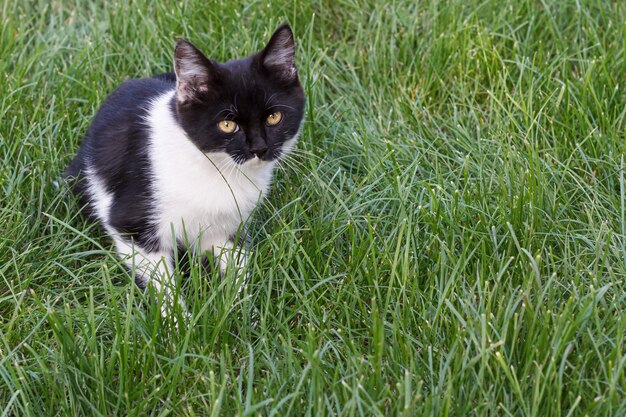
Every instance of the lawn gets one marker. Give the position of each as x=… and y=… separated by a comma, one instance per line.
x=449, y=239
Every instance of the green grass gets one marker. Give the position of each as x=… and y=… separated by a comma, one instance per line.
x=449, y=240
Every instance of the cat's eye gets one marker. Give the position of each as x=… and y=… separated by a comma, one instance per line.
x=274, y=118
x=228, y=126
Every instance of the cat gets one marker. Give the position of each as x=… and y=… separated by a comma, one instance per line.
x=182, y=158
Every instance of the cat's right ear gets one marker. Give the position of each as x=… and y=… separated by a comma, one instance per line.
x=194, y=71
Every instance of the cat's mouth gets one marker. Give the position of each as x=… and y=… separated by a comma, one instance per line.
x=273, y=153
x=251, y=159
x=255, y=159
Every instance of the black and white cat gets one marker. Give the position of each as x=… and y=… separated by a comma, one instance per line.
x=184, y=157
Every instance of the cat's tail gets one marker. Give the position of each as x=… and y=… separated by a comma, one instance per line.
x=73, y=179
x=75, y=167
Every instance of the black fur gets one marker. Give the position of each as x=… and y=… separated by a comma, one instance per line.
x=115, y=146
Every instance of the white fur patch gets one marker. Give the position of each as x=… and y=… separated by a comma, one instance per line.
x=100, y=198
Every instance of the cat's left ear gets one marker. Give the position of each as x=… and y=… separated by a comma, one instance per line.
x=194, y=72
x=279, y=56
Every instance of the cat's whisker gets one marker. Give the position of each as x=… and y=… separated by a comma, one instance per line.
x=233, y=107
x=281, y=105
x=223, y=165
x=229, y=165
x=228, y=111
x=292, y=158
x=269, y=99
x=302, y=158
x=235, y=166
x=286, y=161
x=224, y=170
x=303, y=152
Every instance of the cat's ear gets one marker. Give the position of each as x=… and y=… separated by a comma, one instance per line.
x=194, y=72
x=279, y=56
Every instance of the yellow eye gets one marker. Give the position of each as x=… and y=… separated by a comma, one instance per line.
x=274, y=118
x=228, y=126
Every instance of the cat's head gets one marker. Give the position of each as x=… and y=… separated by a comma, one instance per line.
x=249, y=108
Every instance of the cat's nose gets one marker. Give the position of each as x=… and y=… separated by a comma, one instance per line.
x=259, y=151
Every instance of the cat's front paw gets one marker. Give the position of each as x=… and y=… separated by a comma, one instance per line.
x=173, y=308
x=234, y=262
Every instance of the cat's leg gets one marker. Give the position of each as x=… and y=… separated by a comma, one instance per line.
x=153, y=268
x=227, y=255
